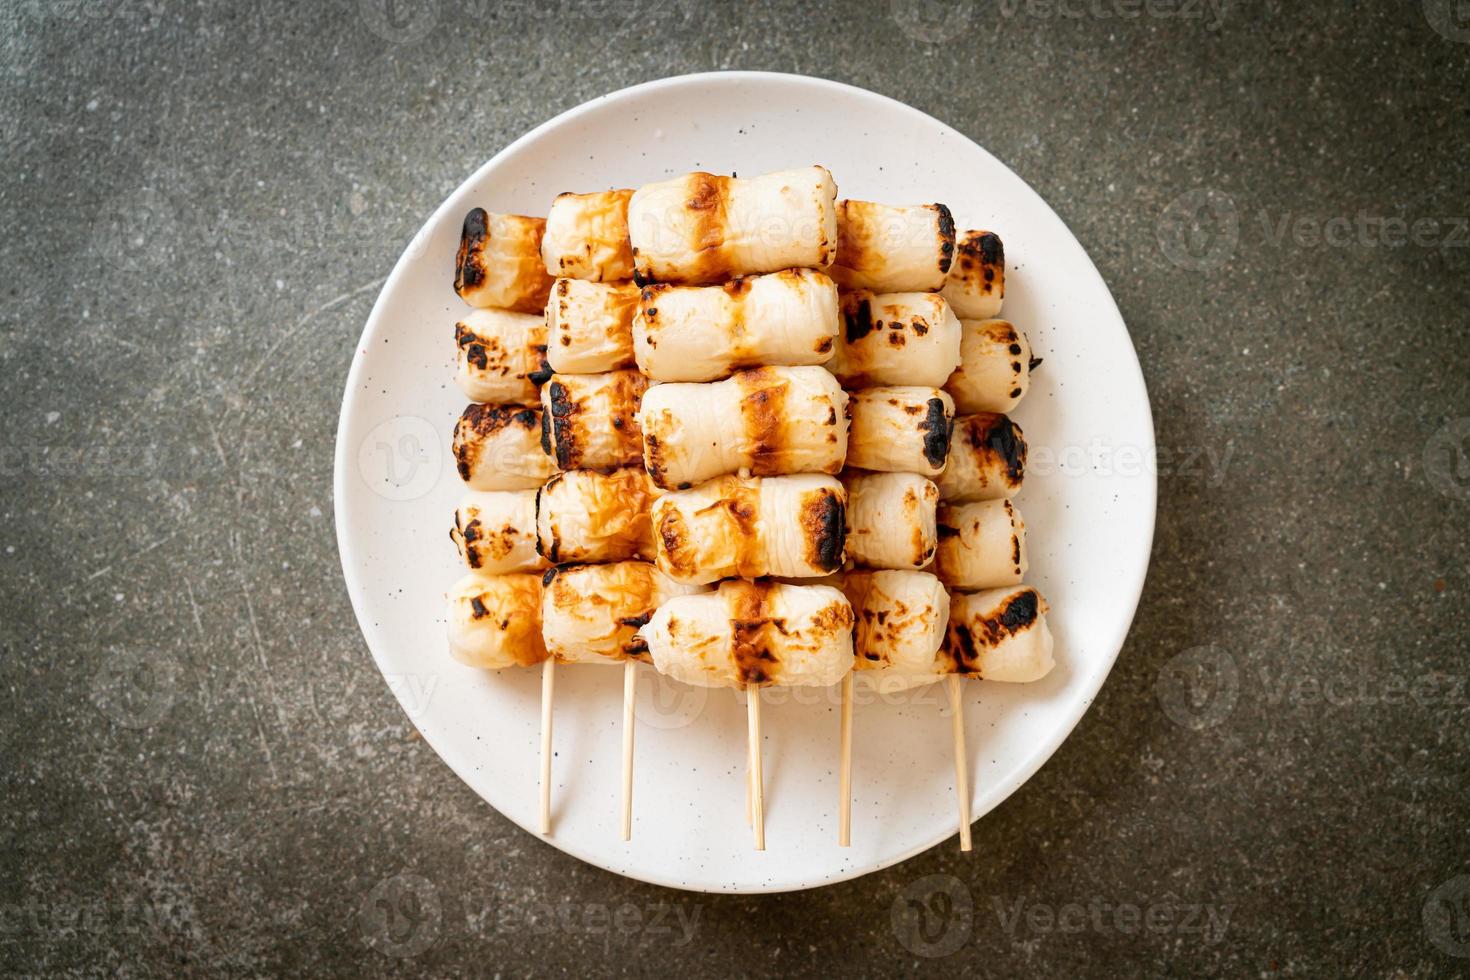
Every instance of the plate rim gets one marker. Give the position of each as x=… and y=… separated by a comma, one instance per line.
x=1041, y=751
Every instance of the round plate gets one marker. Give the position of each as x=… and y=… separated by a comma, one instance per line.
x=1088, y=503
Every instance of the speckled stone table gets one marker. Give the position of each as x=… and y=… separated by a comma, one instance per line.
x=204, y=772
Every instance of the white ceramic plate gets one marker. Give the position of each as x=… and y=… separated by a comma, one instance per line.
x=1088, y=503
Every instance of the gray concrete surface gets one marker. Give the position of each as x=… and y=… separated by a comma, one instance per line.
x=202, y=771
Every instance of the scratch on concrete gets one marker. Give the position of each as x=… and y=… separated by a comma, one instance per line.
x=301, y=323
x=134, y=556
x=259, y=644
x=194, y=607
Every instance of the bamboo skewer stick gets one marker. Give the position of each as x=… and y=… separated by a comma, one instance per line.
x=961, y=758
x=758, y=801
x=844, y=822
x=630, y=695
x=749, y=777
x=548, y=687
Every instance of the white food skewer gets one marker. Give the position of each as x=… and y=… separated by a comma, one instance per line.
x=589, y=616
x=703, y=333
x=695, y=432
x=1020, y=654
x=749, y=635
x=705, y=228
x=499, y=262
x=976, y=283
x=586, y=237
x=893, y=248
x=704, y=534
x=486, y=248
x=896, y=339
x=900, y=618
